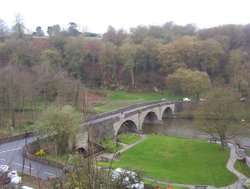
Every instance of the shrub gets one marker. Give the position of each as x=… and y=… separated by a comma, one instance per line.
x=40, y=152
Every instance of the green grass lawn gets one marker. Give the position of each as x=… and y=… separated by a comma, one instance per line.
x=117, y=99
x=247, y=152
x=179, y=160
x=242, y=167
x=128, y=138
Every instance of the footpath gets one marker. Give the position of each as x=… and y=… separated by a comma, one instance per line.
x=230, y=166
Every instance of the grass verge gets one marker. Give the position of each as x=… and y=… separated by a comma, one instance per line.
x=179, y=160
x=242, y=167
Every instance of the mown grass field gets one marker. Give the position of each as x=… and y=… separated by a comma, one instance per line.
x=117, y=99
x=179, y=160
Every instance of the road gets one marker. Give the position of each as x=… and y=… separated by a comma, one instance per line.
x=11, y=155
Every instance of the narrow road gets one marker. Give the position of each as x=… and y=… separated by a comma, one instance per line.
x=11, y=155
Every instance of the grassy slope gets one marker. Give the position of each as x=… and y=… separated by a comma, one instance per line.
x=179, y=160
x=117, y=99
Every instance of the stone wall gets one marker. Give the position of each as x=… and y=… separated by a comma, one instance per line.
x=15, y=137
x=29, y=151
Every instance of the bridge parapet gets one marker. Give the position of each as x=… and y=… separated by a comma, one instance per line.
x=127, y=108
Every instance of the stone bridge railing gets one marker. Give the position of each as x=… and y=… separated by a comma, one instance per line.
x=131, y=107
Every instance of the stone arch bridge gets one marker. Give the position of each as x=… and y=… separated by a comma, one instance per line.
x=129, y=118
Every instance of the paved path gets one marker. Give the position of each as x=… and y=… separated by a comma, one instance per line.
x=230, y=167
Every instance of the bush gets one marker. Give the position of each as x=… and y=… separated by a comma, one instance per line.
x=110, y=145
x=40, y=152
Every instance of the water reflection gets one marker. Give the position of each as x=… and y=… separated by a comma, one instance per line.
x=184, y=128
x=174, y=127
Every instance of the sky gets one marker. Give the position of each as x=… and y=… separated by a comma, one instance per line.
x=96, y=15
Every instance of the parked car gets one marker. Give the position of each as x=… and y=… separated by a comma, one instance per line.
x=129, y=179
x=4, y=168
x=186, y=99
x=26, y=187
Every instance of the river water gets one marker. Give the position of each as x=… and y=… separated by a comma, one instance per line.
x=184, y=128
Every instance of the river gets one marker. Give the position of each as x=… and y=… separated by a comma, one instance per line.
x=184, y=128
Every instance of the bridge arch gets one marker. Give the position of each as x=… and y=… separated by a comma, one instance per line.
x=128, y=126
x=168, y=113
x=150, y=117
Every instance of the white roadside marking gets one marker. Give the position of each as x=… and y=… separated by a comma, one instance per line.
x=22, y=165
x=2, y=159
x=14, y=149
x=49, y=174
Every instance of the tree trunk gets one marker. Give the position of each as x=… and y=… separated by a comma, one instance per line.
x=77, y=92
x=132, y=76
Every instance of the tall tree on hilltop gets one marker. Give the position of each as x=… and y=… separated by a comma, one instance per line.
x=39, y=32
x=53, y=30
x=18, y=28
x=72, y=29
x=4, y=30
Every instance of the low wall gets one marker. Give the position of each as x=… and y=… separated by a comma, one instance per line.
x=30, y=148
x=121, y=110
x=15, y=137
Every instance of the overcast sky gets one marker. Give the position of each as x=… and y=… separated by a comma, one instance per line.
x=97, y=15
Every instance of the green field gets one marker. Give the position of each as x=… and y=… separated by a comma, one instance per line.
x=117, y=99
x=179, y=160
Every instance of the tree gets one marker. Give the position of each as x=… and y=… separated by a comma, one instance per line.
x=18, y=28
x=53, y=30
x=3, y=30
x=185, y=81
x=73, y=29
x=128, y=52
x=108, y=58
x=236, y=59
x=62, y=124
x=216, y=115
x=39, y=32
